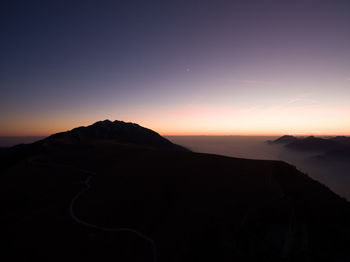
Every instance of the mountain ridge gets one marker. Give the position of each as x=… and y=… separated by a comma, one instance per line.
x=63, y=196
x=314, y=144
x=120, y=131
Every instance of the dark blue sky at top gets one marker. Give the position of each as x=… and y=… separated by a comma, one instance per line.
x=73, y=53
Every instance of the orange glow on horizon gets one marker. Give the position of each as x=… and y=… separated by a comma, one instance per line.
x=199, y=120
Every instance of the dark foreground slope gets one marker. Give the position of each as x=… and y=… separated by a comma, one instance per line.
x=100, y=200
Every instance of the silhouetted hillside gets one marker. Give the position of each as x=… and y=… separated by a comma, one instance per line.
x=118, y=131
x=337, y=146
x=341, y=139
x=285, y=140
x=88, y=195
x=312, y=143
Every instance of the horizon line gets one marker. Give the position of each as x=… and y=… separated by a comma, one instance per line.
x=217, y=134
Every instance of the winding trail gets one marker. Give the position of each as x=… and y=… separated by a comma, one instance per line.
x=87, y=185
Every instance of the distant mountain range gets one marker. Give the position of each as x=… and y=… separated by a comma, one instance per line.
x=116, y=191
x=331, y=147
x=284, y=140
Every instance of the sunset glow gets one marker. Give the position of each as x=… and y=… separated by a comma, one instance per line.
x=235, y=69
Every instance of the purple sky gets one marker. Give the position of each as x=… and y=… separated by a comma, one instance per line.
x=179, y=67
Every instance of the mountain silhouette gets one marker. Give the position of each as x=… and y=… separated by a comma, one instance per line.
x=341, y=139
x=116, y=191
x=117, y=131
x=312, y=143
x=286, y=139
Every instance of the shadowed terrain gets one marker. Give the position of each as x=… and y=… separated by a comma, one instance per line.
x=284, y=140
x=314, y=144
x=115, y=191
x=118, y=131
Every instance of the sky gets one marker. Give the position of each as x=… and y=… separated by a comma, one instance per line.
x=177, y=67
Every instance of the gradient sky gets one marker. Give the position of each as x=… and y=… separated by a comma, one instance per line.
x=178, y=67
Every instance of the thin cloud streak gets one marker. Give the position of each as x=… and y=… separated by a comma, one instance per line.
x=303, y=98
x=312, y=101
x=245, y=81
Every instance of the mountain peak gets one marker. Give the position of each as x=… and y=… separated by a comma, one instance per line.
x=118, y=131
x=286, y=139
x=312, y=143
